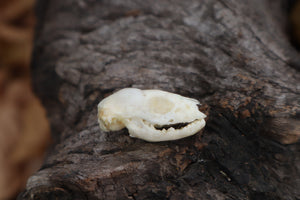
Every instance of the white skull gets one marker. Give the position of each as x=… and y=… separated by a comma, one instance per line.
x=151, y=115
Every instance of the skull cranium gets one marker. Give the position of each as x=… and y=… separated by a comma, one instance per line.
x=151, y=115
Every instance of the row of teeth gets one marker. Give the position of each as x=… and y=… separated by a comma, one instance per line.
x=168, y=129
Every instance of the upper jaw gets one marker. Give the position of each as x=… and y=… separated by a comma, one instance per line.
x=147, y=131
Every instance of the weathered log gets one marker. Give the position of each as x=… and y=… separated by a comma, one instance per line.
x=233, y=56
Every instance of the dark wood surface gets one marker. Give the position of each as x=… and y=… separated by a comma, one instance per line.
x=233, y=56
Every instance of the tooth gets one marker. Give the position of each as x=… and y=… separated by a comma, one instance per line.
x=171, y=129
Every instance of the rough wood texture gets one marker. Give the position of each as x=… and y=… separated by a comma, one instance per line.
x=234, y=56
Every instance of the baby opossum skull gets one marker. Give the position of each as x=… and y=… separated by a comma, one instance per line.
x=151, y=115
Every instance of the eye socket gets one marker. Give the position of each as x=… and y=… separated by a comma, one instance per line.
x=160, y=105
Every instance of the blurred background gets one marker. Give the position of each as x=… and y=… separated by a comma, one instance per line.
x=24, y=129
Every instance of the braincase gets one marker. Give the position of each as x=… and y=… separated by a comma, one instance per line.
x=123, y=100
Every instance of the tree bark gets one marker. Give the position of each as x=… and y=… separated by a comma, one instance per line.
x=233, y=56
